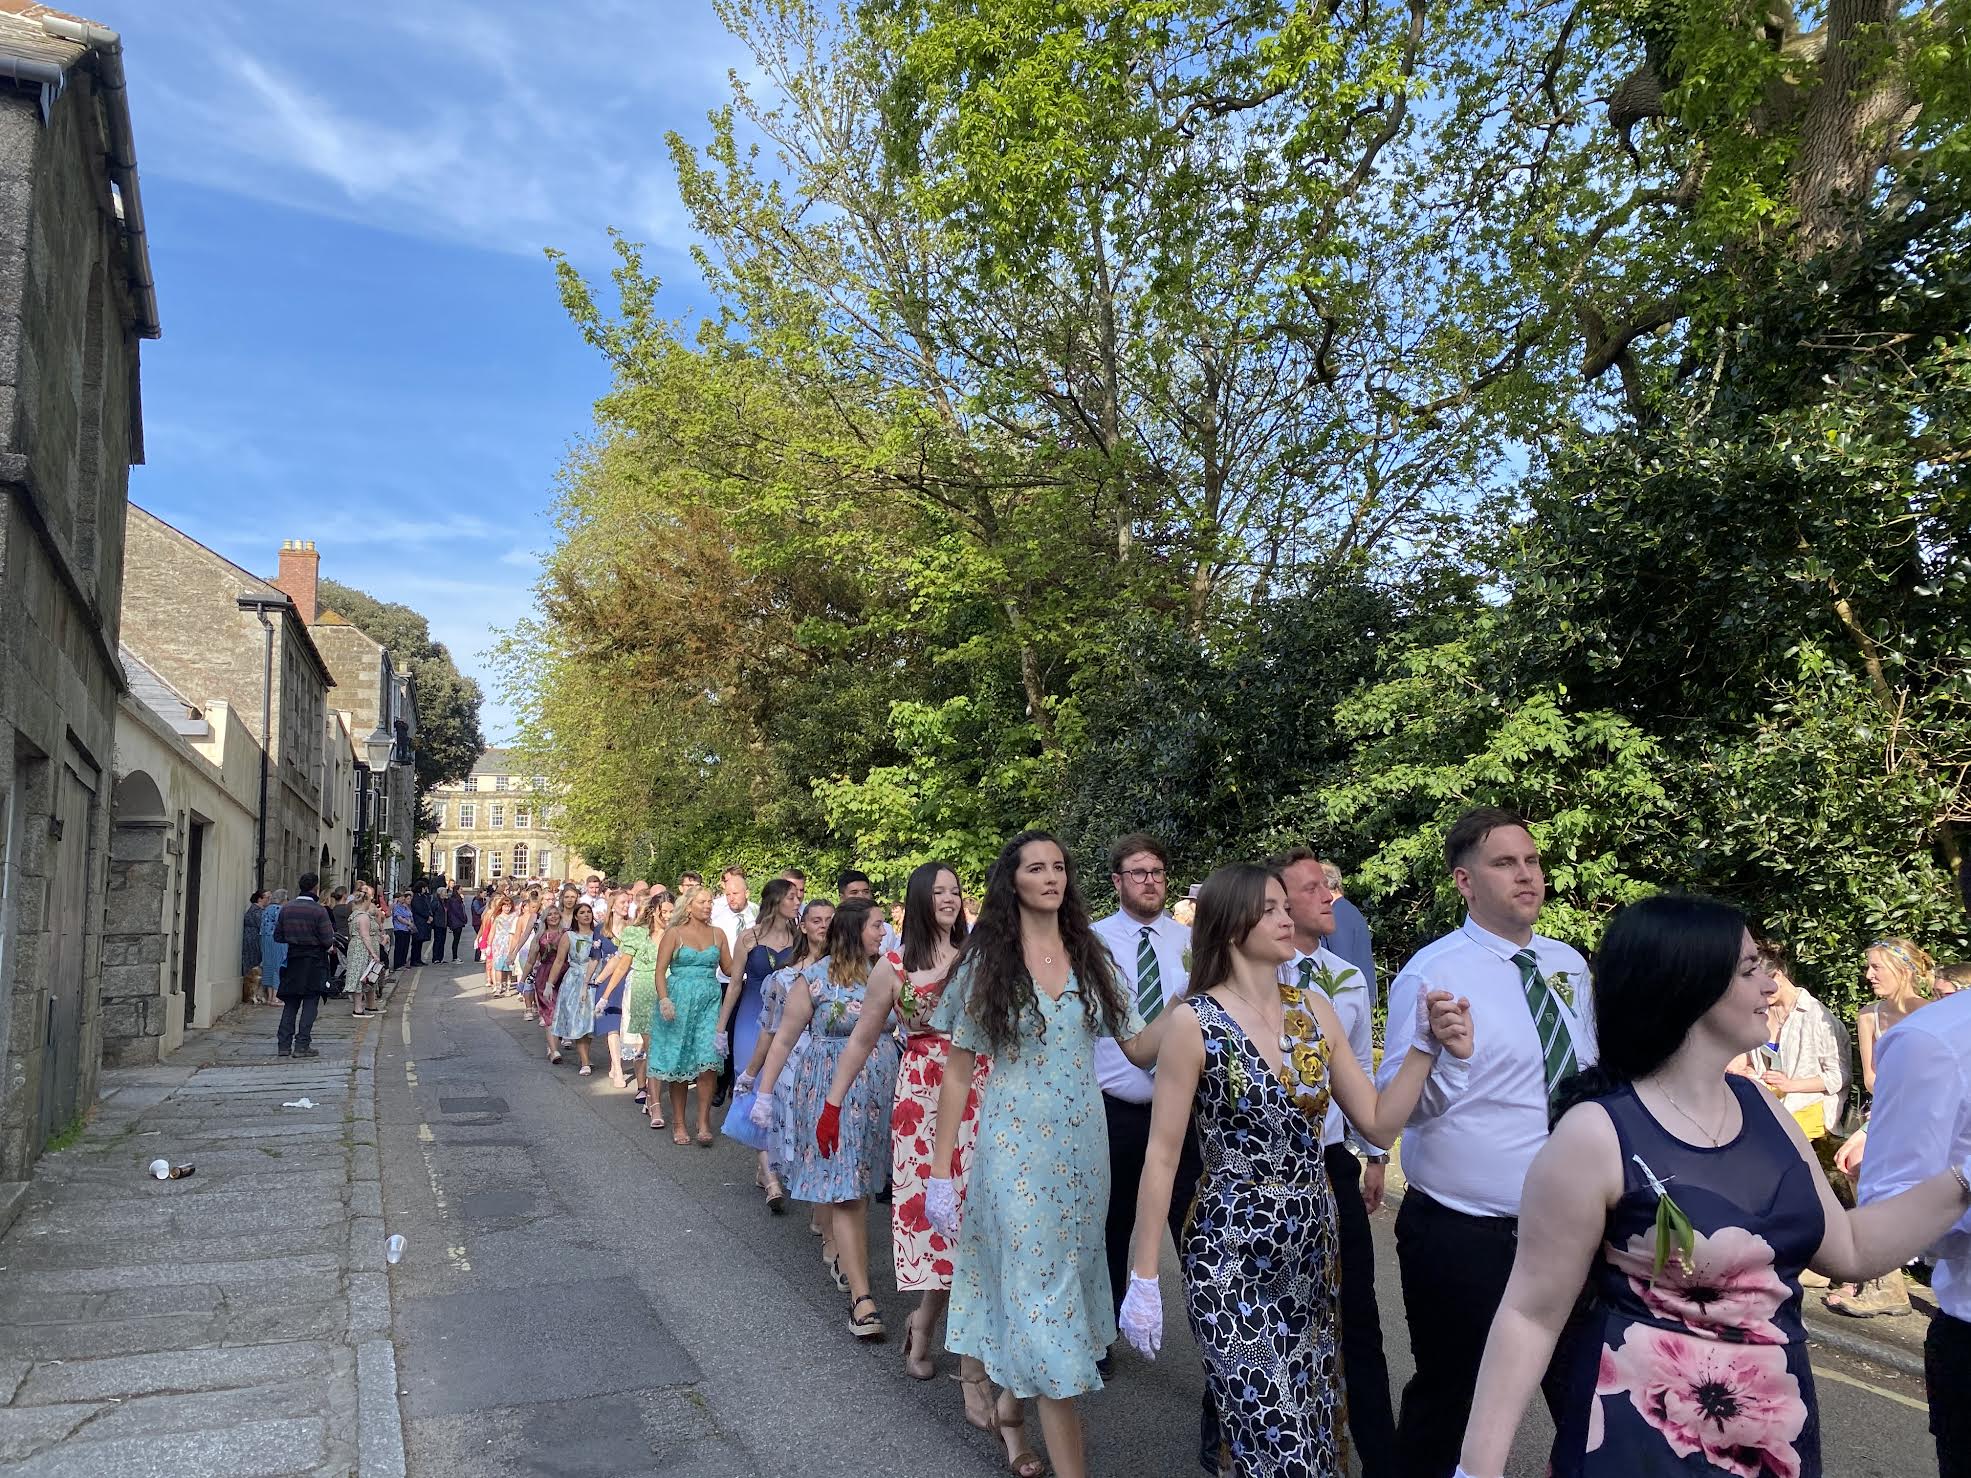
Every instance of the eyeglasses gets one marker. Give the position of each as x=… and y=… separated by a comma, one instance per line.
x=1145, y=874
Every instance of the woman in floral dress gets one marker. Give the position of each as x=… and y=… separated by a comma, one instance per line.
x=549, y=961
x=1689, y=1200
x=842, y=1182
x=1253, y=1060
x=762, y=949
x=1033, y=988
x=574, y=1004
x=773, y=1141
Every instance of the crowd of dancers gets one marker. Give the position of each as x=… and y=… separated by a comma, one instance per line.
x=1603, y=1202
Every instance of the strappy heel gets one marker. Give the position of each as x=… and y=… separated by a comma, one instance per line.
x=865, y=1326
x=981, y=1382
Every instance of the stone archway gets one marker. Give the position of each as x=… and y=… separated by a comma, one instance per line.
x=465, y=866
x=136, y=938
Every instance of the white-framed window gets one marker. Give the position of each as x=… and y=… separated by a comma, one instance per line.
x=493, y=860
x=499, y=782
x=499, y=815
x=520, y=859
x=472, y=782
x=468, y=815
x=438, y=814
x=523, y=818
x=545, y=862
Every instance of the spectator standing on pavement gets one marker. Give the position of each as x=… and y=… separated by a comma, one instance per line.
x=1480, y=1122
x=457, y=917
x=1898, y=971
x=1358, y=1191
x=420, y=920
x=250, y=946
x=403, y=928
x=307, y=934
x=338, y=907
x=273, y=954
x=476, y=919
x=1921, y=1124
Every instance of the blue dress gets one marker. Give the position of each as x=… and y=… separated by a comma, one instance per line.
x=861, y=1163
x=574, y=1006
x=1030, y=1293
x=1262, y=1259
x=1700, y=1369
x=609, y=1004
x=682, y=1048
x=761, y=962
x=273, y=954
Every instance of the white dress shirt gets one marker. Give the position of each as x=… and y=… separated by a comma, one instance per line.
x=1481, y=1120
x=1356, y=1008
x=1921, y=1123
x=732, y=923
x=1169, y=941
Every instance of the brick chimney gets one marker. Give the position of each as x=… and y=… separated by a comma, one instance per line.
x=300, y=566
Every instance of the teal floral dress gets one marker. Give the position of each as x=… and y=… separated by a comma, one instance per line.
x=1030, y=1295
x=682, y=1049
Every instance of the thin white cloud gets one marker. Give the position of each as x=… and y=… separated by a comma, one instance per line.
x=499, y=126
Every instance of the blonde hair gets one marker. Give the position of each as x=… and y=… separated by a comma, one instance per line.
x=1909, y=958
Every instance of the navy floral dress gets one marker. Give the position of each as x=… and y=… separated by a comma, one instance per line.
x=1699, y=1369
x=1261, y=1259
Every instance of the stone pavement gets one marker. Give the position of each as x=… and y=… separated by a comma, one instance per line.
x=235, y=1322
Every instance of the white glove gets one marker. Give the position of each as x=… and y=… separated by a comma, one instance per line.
x=744, y=1083
x=762, y=1115
x=721, y=1043
x=1142, y=1316
x=941, y=1207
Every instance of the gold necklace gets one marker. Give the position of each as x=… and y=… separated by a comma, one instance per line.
x=1707, y=1133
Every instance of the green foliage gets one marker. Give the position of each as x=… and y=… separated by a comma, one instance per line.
x=448, y=737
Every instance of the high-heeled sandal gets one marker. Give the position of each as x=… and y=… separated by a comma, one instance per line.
x=865, y=1326
x=1024, y=1460
x=679, y=1137
x=833, y=1262
x=980, y=1382
x=776, y=1195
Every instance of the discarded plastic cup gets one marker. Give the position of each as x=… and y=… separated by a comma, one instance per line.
x=161, y=1169
x=393, y=1250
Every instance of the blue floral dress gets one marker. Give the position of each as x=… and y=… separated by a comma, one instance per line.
x=1700, y=1369
x=1030, y=1295
x=1261, y=1255
x=574, y=1007
x=778, y=1141
x=682, y=1048
x=860, y=1165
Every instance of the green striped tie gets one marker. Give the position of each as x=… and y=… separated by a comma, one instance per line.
x=1149, y=979
x=1556, y=1045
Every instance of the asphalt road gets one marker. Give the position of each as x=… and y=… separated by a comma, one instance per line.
x=580, y=1296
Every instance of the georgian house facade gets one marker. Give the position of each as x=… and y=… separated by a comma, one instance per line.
x=499, y=822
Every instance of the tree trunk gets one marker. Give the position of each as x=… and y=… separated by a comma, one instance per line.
x=1849, y=124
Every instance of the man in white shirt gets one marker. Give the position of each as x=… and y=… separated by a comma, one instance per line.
x=854, y=886
x=732, y=915
x=1480, y=1121
x=1921, y=1124
x=1315, y=966
x=1151, y=952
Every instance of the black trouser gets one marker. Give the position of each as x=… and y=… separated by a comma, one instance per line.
x=1947, y=1372
x=417, y=948
x=1454, y=1269
x=437, y=944
x=1365, y=1371
x=297, y=1021
x=400, y=949
x=455, y=931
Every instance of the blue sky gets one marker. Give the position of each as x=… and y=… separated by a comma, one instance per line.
x=347, y=208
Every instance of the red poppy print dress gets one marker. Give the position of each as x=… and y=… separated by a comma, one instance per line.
x=923, y=1258
x=1702, y=1368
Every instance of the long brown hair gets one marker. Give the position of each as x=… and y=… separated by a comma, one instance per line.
x=1230, y=905
x=1000, y=991
x=848, y=964
x=920, y=919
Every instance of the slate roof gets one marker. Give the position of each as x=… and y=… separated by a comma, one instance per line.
x=151, y=690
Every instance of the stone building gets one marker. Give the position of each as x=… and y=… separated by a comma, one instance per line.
x=378, y=704
x=76, y=298
x=181, y=866
x=498, y=822
x=221, y=633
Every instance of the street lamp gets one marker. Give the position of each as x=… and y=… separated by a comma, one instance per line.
x=378, y=751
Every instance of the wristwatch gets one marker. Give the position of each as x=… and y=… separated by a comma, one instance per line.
x=1376, y=1157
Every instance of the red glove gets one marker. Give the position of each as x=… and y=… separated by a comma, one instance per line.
x=828, y=1131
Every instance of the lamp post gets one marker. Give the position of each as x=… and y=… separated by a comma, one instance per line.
x=378, y=751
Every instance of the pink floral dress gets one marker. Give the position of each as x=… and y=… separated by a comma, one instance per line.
x=1699, y=1369
x=923, y=1258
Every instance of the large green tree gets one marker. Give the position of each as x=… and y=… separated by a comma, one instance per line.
x=448, y=737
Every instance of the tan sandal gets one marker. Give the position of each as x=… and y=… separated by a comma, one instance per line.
x=1023, y=1460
